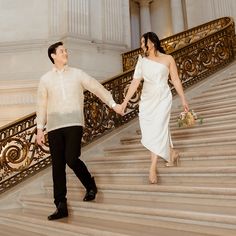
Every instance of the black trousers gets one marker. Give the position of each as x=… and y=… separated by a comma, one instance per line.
x=65, y=148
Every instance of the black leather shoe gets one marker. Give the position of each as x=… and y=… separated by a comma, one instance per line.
x=61, y=212
x=91, y=194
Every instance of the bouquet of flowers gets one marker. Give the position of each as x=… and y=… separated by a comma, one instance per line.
x=188, y=119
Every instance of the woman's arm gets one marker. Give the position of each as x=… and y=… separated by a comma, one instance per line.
x=177, y=83
x=132, y=89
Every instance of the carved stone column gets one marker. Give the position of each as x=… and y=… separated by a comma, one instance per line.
x=145, y=18
x=177, y=16
x=222, y=8
x=78, y=17
x=113, y=20
x=58, y=18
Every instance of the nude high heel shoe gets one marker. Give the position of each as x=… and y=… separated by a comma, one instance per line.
x=174, y=158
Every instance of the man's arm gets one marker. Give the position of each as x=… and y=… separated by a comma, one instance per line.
x=98, y=89
x=41, y=112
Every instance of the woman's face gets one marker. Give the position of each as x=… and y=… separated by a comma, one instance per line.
x=142, y=44
x=150, y=45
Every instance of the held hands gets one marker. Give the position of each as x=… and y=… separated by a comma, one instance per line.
x=120, y=108
x=123, y=105
x=40, y=139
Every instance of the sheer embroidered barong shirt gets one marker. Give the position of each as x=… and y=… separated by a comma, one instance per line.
x=60, y=97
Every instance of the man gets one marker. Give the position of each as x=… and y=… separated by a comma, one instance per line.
x=60, y=108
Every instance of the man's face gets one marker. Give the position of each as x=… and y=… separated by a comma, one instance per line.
x=61, y=55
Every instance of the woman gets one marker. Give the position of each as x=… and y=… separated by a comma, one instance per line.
x=156, y=100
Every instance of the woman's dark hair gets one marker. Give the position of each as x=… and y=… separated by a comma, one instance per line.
x=52, y=50
x=155, y=40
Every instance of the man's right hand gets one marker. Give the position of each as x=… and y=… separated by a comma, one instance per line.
x=40, y=137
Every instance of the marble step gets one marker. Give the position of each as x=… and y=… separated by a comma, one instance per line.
x=196, y=157
x=111, y=155
x=193, y=176
x=209, y=98
x=205, y=106
x=230, y=77
x=85, y=223
x=186, y=133
x=148, y=215
x=199, y=130
x=159, y=194
x=225, y=81
x=206, y=128
x=206, y=141
x=145, y=161
x=224, y=85
x=139, y=149
x=213, y=108
x=72, y=226
x=191, y=141
x=215, y=92
x=10, y=230
x=229, y=210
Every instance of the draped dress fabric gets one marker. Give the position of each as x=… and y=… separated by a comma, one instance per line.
x=154, y=106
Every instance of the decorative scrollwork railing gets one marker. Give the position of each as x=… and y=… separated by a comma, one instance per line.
x=204, y=57
x=180, y=40
x=21, y=158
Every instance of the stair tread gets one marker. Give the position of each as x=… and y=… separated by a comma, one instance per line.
x=215, y=170
x=9, y=231
x=145, y=159
x=194, y=135
x=96, y=226
x=140, y=146
x=149, y=210
x=228, y=192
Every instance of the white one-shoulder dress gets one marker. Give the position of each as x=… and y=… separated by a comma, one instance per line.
x=154, y=106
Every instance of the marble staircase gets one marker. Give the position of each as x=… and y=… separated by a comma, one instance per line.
x=17, y=99
x=196, y=198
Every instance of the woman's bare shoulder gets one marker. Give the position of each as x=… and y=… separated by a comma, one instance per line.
x=169, y=58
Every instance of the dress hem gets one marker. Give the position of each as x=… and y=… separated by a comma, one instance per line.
x=158, y=154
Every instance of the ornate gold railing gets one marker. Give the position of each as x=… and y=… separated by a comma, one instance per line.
x=179, y=40
x=21, y=158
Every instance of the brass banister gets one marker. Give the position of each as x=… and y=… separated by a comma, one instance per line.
x=182, y=39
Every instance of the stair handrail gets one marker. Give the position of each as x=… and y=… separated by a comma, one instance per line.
x=21, y=158
x=179, y=40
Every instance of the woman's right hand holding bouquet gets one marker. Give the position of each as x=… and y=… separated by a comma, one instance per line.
x=185, y=104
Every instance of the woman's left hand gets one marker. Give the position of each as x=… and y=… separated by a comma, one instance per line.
x=185, y=105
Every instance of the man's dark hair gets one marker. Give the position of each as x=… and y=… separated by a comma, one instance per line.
x=52, y=50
